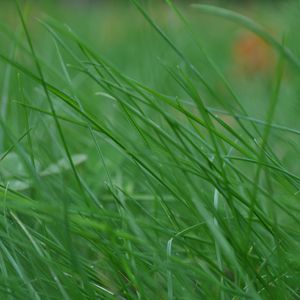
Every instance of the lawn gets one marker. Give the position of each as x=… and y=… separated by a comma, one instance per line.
x=149, y=150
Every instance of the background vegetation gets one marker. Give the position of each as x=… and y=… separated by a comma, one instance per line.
x=149, y=151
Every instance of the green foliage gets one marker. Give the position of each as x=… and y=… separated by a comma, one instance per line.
x=137, y=163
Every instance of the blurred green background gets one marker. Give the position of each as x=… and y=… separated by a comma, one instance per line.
x=119, y=33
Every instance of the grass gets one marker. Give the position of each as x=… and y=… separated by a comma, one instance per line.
x=139, y=162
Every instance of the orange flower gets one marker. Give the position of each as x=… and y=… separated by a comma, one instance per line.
x=252, y=55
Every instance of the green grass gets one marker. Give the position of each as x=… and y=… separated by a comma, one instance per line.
x=136, y=163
